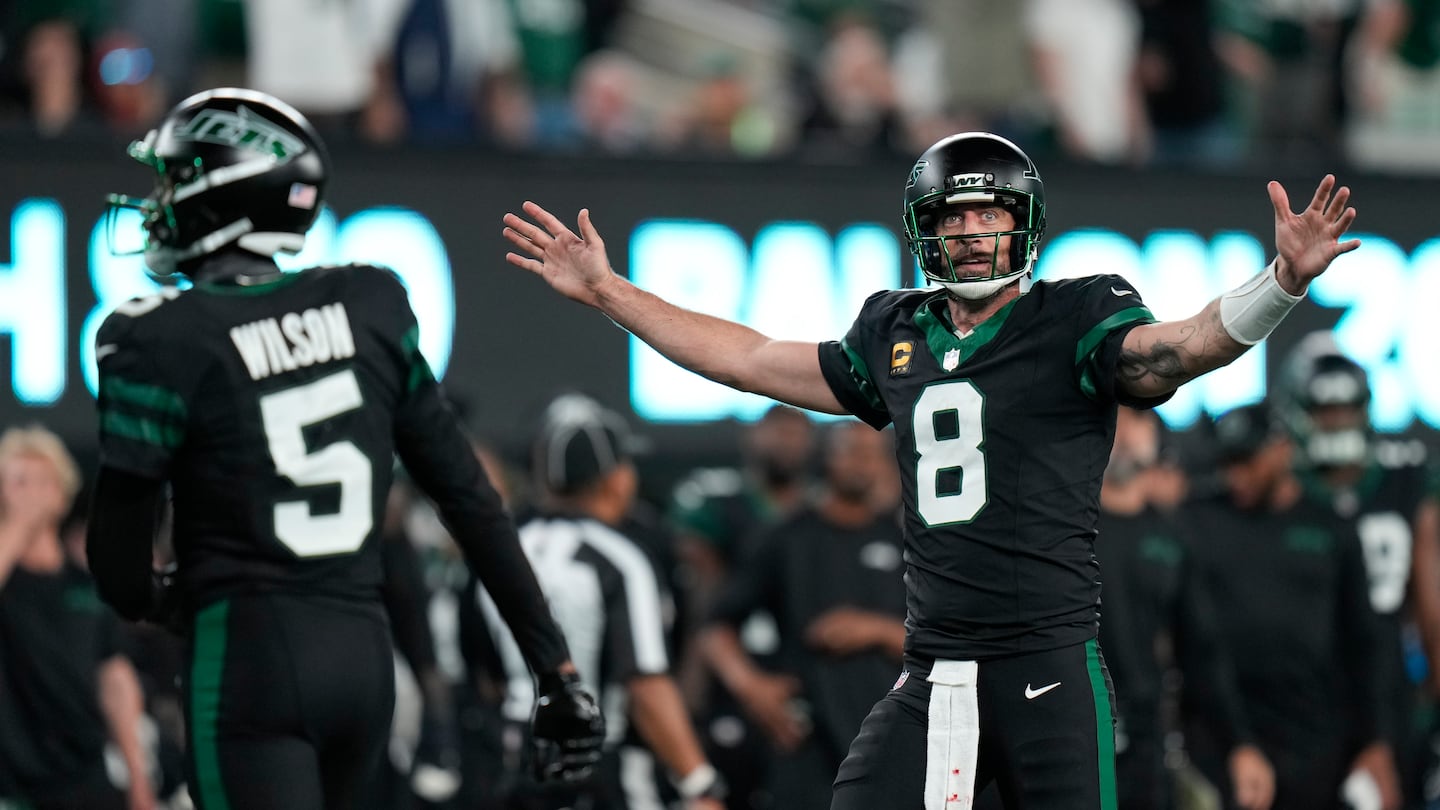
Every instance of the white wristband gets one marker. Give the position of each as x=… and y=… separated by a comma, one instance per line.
x=700, y=779
x=1251, y=311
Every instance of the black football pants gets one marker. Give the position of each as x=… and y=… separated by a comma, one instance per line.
x=288, y=701
x=1039, y=725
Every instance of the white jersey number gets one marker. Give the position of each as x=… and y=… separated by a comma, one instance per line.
x=950, y=464
x=1386, y=539
x=286, y=413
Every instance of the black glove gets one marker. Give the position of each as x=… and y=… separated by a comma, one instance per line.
x=567, y=730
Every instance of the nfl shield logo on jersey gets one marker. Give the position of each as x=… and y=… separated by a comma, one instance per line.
x=899, y=682
x=951, y=360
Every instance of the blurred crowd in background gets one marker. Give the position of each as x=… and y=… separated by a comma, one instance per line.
x=1210, y=83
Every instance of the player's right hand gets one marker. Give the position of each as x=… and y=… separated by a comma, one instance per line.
x=575, y=266
x=567, y=730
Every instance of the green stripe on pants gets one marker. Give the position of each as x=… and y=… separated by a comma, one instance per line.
x=1104, y=725
x=206, y=674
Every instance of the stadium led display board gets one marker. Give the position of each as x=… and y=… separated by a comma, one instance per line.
x=790, y=249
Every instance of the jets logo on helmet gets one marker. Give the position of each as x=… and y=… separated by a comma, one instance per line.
x=242, y=129
x=916, y=172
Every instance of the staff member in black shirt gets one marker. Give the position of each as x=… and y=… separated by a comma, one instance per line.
x=1158, y=617
x=1289, y=585
x=830, y=575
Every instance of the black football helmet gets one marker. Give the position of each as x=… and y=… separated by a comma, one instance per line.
x=1318, y=377
x=967, y=168
x=233, y=167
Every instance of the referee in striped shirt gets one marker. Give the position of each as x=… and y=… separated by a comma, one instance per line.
x=604, y=591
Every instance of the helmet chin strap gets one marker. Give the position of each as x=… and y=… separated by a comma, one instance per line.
x=981, y=288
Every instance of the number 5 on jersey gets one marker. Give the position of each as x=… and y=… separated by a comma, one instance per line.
x=286, y=414
x=949, y=464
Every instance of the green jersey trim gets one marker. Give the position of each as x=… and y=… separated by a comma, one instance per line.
x=142, y=395
x=141, y=429
x=1087, y=344
x=420, y=372
x=285, y=280
x=940, y=332
x=860, y=372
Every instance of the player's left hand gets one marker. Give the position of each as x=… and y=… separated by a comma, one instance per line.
x=1307, y=242
x=567, y=729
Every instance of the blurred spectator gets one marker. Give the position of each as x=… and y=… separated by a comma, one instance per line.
x=1395, y=64
x=321, y=58
x=853, y=110
x=936, y=82
x=555, y=36
x=831, y=576
x=1291, y=598
x=450, y=76
x=1288, y=55
x=722, y=118
x=127, y=89
x=1184, y=84
x=1158, y=618
x=65, y=686
x=1085, y=58
x=604, y=101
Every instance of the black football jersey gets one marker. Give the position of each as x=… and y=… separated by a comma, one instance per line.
x=1002, y=436
x=1291, y=600
x=1382, y=505
x=274, y=411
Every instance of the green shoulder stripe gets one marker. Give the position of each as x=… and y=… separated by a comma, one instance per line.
x=420, y=372
x=860, y=372
x=1097, y=333
x=142, y=395
x=141, y=429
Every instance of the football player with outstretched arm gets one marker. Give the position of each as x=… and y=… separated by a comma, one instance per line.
x=1003, y=403
x=272, y=404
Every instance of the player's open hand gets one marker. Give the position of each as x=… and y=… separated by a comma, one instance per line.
x=574, y=265
x=1307, y=242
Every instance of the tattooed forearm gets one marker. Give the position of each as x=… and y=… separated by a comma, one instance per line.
x=1160, y=358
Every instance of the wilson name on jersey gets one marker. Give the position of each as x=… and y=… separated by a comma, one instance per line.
x=1002, y=436
x=272, y=410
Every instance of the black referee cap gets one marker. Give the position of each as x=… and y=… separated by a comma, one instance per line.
x=579, y=442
